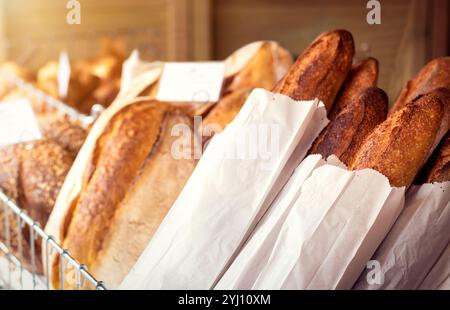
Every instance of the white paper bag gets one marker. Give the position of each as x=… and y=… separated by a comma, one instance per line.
x=332, y=230
x=439, y=276
x=416, y=240
x=225, y=197
x=246, y=267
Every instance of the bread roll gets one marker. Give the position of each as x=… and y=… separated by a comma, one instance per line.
x=345, y=134
x=399, y=147
x=363, y=75
x=321, y=69
x=32, y=176
x=433, y=75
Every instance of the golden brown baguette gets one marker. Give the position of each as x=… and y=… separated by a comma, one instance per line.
x=321, y=69
x=363, y=75
x=433, y=75
x=345, y=134
x=399, y=147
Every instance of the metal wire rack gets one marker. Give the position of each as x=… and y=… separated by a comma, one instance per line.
x=17, y=276
x=18, y=265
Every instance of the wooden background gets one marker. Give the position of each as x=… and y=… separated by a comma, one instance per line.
x=411, y=31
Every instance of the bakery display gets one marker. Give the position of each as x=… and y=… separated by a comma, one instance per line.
x=103, y=190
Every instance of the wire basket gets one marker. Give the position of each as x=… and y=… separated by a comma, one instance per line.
x=13, y=274
x=19, y=263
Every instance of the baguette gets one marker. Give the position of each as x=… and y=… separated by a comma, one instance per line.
x=344, y=135
x=362, y=75
x=434, y=74
x=438, y=167
x=400, y=146
x=321, y=69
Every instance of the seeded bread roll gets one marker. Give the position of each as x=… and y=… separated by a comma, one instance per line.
x=433, y=75
x=399, y=147
x=32, y=176
x=321, y=69
x=344, y=135
x=363, y=75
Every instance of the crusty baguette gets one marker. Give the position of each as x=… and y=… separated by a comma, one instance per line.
x=433, y=75
x=399, y=147
x=321, y=69
x=363, y=75
x=345, y=134
x=439, y=163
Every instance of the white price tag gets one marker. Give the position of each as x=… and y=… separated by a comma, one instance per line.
x=18, y=122
x=191, y=82
x=63, y=74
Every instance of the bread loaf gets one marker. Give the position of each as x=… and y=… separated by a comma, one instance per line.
x=321, y=69
x=399, y=147
x=345, y=134
x=433, y=75
x=363, y=75
x=122, y=194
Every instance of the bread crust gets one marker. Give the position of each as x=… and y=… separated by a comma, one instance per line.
x=363, y=75
x=434, y=74
x=344, y=135
x=399, y=147
x=321, y=69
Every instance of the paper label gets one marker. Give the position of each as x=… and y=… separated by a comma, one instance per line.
x=63, y=74
x=18, y=122
x=191, y=82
